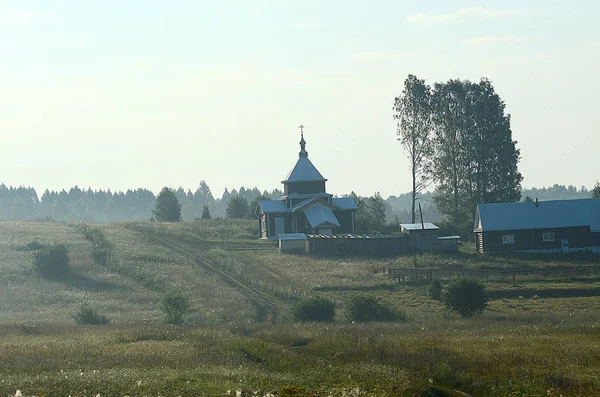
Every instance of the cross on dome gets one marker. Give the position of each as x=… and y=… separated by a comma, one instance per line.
x=303, y=152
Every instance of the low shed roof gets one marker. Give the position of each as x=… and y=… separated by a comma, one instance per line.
x=541, y=215
x=418, y=226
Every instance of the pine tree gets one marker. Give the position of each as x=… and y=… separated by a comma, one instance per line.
x=167, y=207
x=206, y=213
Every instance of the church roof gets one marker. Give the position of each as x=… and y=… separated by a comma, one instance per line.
x=319, y=215
x=304, y=170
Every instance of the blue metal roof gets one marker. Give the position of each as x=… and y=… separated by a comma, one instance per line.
x=319, y=215
x=304, y=171
x=345, y=203
x=544, y=215
x=273, y=206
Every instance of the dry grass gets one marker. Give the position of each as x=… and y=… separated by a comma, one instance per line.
x=520, y=346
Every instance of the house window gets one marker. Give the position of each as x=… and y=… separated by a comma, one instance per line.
x=548, y=236
x=508, y=239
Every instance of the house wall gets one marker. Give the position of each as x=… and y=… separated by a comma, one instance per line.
x=345, y=219
x=304, y=187
x=287, y=219
x=423, y=240
x=532, y=240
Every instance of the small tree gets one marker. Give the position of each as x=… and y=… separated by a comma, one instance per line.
x=89, y=316
x=175, y=306
x=435, y=290
x=466, y=296
x=596, y=191
x=317, y=308
x=167, y=207
x=237, y=208
x=362, y=309
x=206, y=213
x=52, y=261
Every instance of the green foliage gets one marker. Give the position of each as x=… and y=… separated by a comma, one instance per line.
x=89, y=316
x=475, y=158
x=175, y=306
x=167, y=207
x=317, y=308
x=52, y=261
x=363, y=309
x=206, y=213
x=101, y=247
x=413, y=112
x=237, y=208
x=370, y=216
x=465, y=296
x=596, y=191
x=435, y=289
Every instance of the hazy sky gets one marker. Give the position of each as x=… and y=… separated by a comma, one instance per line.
x=124, y=94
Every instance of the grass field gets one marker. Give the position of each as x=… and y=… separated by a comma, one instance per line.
x=540, y=337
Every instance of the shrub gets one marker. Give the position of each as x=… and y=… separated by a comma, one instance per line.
x=89, y=316
x=52, y=261
x=317, y=308
x=367, y=308
x=435, y=290
x=175, y=306
x=101, y=247
x=465, y=296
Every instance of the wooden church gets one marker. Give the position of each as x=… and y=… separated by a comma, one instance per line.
x=305, y=207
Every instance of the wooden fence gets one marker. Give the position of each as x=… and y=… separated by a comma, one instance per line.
x=414, y=275
x=358, y=244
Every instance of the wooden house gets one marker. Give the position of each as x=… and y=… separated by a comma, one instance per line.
x=305, y=207
x=540, y=226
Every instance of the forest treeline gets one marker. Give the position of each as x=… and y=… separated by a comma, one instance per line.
x=87, y=205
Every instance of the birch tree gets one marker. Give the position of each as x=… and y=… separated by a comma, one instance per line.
x=413, y=114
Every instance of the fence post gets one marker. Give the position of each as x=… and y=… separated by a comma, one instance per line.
x=515, y=278
x=403, y=280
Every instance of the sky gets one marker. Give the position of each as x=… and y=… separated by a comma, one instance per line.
x=146, y=93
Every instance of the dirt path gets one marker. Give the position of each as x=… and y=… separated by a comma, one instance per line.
x=265, y=309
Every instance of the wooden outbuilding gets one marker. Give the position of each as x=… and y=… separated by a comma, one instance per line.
x=540, y=226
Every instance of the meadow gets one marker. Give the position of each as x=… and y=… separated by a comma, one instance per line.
x=540, y=337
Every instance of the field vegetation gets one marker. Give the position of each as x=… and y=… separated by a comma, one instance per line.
x=538, y=337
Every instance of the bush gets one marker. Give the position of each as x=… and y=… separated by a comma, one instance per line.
x=89, y=316
x=368, y=308
x=317, y=308
x=52, y=261
x=465, y=296
x=175, y=306
x=435, y=290
x=101, y=247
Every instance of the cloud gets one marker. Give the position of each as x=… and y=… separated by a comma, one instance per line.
x=464, y=13
x=384, y=55
x=10, y=17
x=493, y=40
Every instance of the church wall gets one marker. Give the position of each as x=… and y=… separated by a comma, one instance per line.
x=345, y=219
x=304, y=187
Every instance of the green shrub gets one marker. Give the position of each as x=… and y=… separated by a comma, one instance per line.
x=367, y=308
x=52, y=261
x=435, y=290
x=89, y=316
x=101, y=247
x=465, y=296
x=317, y=308
x=175, y=306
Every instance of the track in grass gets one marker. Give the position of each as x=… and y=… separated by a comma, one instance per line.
x=266, y=310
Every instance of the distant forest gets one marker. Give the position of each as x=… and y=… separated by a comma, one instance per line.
x=99, y=206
